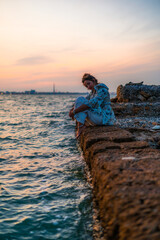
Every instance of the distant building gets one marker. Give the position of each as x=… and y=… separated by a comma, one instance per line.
x=54, y=89
x=31, y=92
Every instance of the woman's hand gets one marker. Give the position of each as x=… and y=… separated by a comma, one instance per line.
x=71, y=114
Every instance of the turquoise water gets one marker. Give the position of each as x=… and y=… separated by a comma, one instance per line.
x=44, y=193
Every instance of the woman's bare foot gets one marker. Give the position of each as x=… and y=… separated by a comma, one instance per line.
x=80, y=129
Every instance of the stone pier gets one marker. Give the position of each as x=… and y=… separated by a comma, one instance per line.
x=125, y=175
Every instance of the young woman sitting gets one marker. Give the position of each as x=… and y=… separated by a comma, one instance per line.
x=95, y=109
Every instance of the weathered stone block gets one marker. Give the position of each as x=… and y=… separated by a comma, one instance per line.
x=105, y=133
x=126, y=184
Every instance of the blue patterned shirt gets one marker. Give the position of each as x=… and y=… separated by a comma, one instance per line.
x=99, y=102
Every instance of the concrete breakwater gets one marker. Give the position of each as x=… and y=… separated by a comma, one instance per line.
x=126, y=184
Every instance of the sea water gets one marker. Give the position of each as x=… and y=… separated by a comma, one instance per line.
x=44, y=193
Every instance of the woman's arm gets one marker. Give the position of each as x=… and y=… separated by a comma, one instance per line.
x=82, y=108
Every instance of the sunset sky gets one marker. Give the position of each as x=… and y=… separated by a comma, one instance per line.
x=55, y=41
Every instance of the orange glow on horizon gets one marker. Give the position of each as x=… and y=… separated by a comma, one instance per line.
x=110, y=40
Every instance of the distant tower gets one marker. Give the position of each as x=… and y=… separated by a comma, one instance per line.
x=54, y=88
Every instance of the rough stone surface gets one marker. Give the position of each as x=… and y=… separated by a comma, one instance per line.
x=108, y=134
x=126, y=184
x=136, y=109
x=137, y=92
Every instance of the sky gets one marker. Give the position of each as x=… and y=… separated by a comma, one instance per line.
x=46, y=42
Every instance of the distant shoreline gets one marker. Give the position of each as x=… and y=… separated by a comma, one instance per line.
x=46, y=93
x=40, y=93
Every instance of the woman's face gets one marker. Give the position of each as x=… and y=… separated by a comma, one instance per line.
x=89, y=84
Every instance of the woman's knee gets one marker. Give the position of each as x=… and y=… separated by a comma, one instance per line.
x=81, y=100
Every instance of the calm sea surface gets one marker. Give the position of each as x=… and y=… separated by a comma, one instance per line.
x=43, y=190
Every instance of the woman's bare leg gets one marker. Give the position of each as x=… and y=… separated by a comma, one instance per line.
x=80, y=128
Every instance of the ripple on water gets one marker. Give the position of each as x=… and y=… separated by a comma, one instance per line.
x=43, y=192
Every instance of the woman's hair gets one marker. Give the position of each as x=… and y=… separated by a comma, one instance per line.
x=89, y=77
